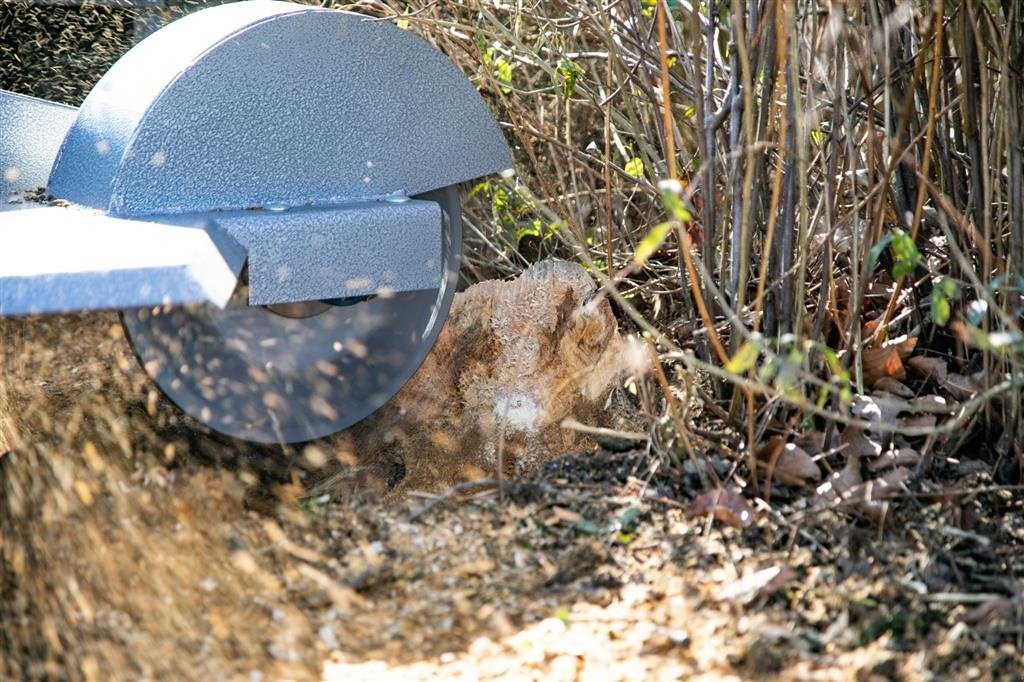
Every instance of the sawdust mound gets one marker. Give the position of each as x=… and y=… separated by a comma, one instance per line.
x=514, y=360
x=111, y=559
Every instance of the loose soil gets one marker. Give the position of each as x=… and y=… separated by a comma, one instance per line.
x=132, y=546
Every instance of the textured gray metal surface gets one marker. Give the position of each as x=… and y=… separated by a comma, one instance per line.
x=59, y=259
x=250, y=373
x=350, y=250
x=31, y=131
x=262, y=103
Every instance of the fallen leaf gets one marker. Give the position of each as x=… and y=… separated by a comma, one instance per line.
x=1000, y=608
x=868, y=330
x=886, y=486
x=840, y=483
x=892, y=458
x=960, y=387
x=864, y=407
x=932, y=404
x=879, y=363
x=758, y=584
x=920, y=421
x=787, y=462
x=879, y=407
x=904, y=345
x=855, y=444
x=891, y=385
x=813, y=442
x=846, y=488
x=933, y=368
x=725, y=505
x=970, y=467
x=562, y=515
x=797, y=464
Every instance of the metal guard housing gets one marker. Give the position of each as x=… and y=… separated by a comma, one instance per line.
x=269, y=103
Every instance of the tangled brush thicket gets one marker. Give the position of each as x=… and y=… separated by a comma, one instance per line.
x=850, y=191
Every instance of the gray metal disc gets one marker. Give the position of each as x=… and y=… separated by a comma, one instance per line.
x=271, y=377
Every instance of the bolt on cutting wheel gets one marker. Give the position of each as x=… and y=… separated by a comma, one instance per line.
x=294, y=373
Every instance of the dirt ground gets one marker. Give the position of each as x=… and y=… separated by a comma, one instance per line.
x=132, y=547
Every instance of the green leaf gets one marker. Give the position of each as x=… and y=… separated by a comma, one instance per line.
x=562, y=614
x=588, y=527
x=650, y=243
x=628, y=518
x=671, y=197
x=905, y=254
x=769, y=371
x=943, y=292
x=500, y=67
x=504, y=71
x=479, y=187
x=941, y=309
x=817, y=137
x=877, y=250
x=635, y=168
x=744, y=359
x=568, y=72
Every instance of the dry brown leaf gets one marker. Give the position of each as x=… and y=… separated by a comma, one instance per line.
x=562, y=515
x=879, y=363
x=887, y=361
x=797, y=464
x=886, y=486
x=847, y=487
x=920, y=421
x=813, y=442
x=868, y=330
x=770, y=451
x=725, y=505
x=933, y=368
x=855, y=444
x=891, y=385
x=893, y=458
x=879, y=407
x=960, y=387
x=839, y=484
x=932, y=404
x=1000, y=608
x=759, y=584
x=786, y=462
x=904, y=345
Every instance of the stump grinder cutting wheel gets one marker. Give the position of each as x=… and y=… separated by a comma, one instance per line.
x=268, y=192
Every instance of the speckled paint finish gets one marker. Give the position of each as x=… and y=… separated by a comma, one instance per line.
x=56, y=259
x=263, y=103
x=31, y=131
x=355, y=249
